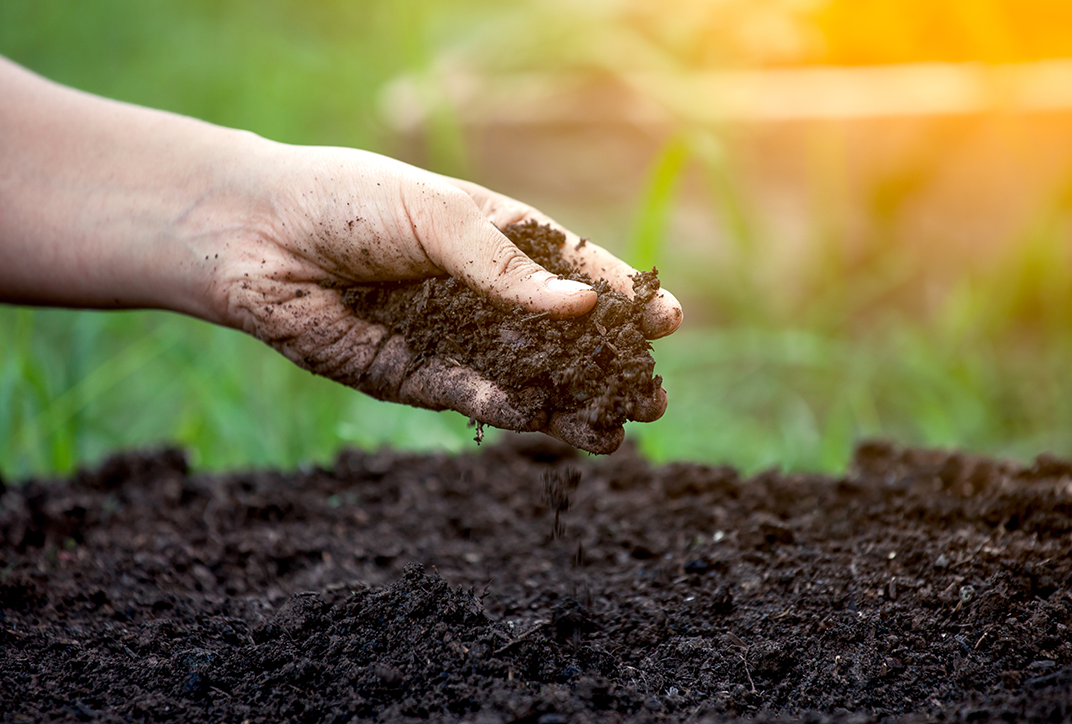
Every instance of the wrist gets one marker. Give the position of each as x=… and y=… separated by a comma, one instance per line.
x=228, y=220
x=108, y=205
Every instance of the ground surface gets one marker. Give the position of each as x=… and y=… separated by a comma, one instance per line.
x=921, y=586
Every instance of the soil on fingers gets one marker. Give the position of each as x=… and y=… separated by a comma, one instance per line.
x=598, y=364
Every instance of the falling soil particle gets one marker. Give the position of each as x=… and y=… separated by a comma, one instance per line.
x=599, y=362
x=558, y=489
x=922, y=586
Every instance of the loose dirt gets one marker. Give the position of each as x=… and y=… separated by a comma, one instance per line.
x=921, y=586
x=599, y=362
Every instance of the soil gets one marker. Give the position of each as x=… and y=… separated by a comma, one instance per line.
x=599, y=362
x=526, y=583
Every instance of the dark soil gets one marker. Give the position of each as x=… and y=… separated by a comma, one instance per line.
x=922, y=586
x=599, y=362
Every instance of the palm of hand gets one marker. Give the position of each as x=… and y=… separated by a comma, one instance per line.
x=346, y=217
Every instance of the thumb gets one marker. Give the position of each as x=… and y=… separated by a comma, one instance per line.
x=471, y=248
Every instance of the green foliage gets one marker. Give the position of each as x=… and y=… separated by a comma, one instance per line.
x=801, y=400
x=657, y=203
x=803, y=367
x=294, y=72
x=75, y=386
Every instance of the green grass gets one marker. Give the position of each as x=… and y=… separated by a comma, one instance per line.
x=75, y=386
x=792, y=375
x=802, y=368
x=801, y=400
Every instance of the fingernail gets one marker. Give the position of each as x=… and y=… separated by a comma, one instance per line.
x=565, y=287
x=662, y=316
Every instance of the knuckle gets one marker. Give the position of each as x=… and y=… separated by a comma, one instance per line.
x=505, y=211
x=439, y=216
x=451, y=196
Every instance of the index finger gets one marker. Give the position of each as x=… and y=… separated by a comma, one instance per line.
x=663, y=313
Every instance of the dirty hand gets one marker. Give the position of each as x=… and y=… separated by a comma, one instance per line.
x=109, y=205
x=341, y=217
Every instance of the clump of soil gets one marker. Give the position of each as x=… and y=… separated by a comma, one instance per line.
x=558, y=489
x=923, y=585
x=599, y=362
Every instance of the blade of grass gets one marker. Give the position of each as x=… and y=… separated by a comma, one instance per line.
x=657, y=202
x=52, y=417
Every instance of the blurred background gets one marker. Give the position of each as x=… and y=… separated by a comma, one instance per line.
x=864, y=206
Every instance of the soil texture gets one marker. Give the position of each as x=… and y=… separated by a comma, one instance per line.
x=599, y=363
x=526, y=583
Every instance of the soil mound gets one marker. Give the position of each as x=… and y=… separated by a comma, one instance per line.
x=599, y=362
x=527, y=584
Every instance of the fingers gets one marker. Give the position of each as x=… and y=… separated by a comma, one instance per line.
x=385, y=374
x=437, y=384
x=312, y=327
x=649, y=409
x=662, y=315
x=465, y=244
x=440, y=385
x=574, y=429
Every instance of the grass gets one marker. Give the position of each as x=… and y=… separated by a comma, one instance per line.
x=791, y=376
x=78, y=385
x=802, y=368
x=800, y=399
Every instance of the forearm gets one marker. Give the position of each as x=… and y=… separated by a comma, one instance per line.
x=108, y=205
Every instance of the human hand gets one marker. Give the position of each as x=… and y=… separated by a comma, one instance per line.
x=342, y=217
x=111, y=206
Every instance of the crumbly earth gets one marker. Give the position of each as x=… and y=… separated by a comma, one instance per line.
x=921, y=586
x=599, y=362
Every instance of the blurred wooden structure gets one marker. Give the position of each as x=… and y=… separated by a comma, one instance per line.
x=949, y=163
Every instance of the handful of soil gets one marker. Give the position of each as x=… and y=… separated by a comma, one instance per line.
x=598, y=365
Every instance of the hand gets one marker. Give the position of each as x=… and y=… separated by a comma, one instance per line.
x=108, y=205
x=341, y=217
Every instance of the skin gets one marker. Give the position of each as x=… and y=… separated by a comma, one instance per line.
x=111, y=206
